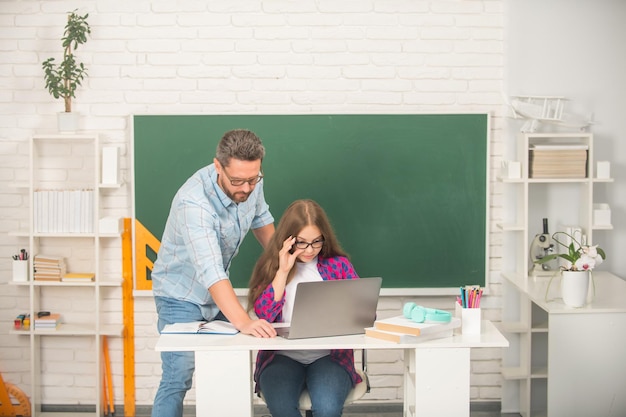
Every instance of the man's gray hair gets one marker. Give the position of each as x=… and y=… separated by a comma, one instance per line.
x=240, y=144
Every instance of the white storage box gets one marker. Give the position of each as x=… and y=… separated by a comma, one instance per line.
x=110, y=225
x=603, y=169
x=601, y=215
x=511, y=169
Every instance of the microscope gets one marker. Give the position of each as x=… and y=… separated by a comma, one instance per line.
x=540, y=247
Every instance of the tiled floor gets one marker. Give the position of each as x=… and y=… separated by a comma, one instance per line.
x=398, y=413
x=395, y=412
x=390, y=410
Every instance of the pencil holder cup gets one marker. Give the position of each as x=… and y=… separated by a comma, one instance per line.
x=20, y=270
x=470, y=319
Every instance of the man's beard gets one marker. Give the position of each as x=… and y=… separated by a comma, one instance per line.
x=237, y=197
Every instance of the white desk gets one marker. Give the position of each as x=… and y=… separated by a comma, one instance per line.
x=436, y=372
x=564, y=361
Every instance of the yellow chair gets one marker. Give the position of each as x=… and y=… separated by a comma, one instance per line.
x=356, y=393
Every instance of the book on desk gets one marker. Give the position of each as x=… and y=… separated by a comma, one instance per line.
x=402, y=330
x=200, y=327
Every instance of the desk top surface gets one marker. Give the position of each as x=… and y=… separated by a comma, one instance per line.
x=610, y=294
x=489, y=337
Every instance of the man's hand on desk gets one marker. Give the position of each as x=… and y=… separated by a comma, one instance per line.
x=258, y=328
x=224, y=296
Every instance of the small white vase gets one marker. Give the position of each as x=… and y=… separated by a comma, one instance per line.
x=67, y=122
x=574, y=287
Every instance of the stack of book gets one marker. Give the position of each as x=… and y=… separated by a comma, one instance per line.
x=48, y=268
x=558, y=161
x=78, y=277
x=48, y=322
x=63, y=211
x=399, y=329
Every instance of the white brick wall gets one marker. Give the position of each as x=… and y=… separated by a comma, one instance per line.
x=216, y=57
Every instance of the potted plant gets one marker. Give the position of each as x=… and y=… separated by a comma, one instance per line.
x=63, y=79
x=581, y=260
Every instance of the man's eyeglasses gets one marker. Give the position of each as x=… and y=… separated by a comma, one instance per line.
x=316, y=244
x=237, y=182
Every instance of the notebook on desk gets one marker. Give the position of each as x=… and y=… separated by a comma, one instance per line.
x=333, y=308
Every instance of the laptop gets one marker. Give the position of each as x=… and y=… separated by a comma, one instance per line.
x=333, y=308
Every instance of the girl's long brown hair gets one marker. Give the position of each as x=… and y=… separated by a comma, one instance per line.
x=297, y=216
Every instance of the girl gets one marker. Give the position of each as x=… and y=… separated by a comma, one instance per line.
x=303, y=248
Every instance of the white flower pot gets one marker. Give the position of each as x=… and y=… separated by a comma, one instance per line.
x=574, y=287
x=67, y=121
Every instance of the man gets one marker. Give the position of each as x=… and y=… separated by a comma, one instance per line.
x=208, y=220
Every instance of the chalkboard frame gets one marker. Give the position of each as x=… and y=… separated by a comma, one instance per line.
x=138, y=127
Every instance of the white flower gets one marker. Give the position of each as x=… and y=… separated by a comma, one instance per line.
x=592, y=252
x=578, y=257
x=585, y=263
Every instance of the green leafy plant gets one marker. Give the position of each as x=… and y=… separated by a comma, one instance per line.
x=63, y=79
x=580, y=257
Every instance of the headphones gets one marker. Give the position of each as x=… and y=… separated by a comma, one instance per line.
x=421, y=314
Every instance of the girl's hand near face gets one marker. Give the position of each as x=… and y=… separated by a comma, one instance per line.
x=286, y=261
x=285, y=256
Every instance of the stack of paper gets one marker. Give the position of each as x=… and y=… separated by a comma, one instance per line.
x=49, y=322
x=558, y=161
x=400, y=329
x=48, y=268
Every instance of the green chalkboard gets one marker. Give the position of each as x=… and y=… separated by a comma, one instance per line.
x=406, y=194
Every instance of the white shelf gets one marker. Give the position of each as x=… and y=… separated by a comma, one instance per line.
x=102, y=283
x=546, y=336
x=72, y=329
x=558, y=180
x=609, y=296
x=511, y=227
x=79, y=155
x=65, y=235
